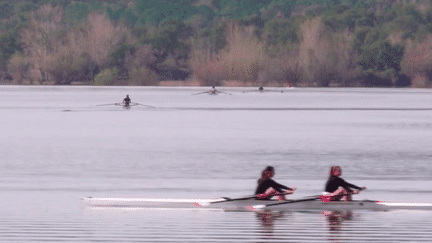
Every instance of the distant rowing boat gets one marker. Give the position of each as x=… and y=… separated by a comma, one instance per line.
x=212, y=91
x=262, y=90
x=127, y=105
x=252, y=204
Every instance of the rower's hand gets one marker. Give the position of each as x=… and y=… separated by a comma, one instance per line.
x=290, y=191
x=363, y=188
x=356, y=191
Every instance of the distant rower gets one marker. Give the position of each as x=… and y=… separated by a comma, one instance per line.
x=127, y=100
x=267, y=188
x=213, y=90
x=337, y=189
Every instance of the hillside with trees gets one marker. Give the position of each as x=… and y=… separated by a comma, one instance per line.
x=307, y=43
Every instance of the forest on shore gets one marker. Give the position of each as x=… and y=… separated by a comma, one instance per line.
x=306, y=43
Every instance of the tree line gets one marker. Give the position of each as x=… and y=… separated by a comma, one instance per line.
x=313, y=43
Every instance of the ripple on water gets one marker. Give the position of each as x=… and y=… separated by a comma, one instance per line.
x=218, y=226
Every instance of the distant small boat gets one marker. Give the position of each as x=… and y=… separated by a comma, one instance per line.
x=212, y=91
x=124, y=105
x=261, y=89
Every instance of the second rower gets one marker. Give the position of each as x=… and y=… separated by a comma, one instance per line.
x=267, y=187
x=337, y=189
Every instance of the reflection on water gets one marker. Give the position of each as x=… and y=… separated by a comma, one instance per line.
x=335, y=220
x=62, y=218
x=267, y=222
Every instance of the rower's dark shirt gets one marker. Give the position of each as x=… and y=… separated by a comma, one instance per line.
x=127, y=101
x=335, y=182
x=263, y=185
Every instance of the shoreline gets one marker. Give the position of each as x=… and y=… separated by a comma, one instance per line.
x=195, y=83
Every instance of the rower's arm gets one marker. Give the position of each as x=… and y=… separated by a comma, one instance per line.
x=352, y=186
x=278, y=187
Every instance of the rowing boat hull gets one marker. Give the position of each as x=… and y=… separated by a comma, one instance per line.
x=248, y=204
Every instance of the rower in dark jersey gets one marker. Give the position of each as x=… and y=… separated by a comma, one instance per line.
x=213, y=90
x=337, y=189
x=127, y=100
x=267, y=187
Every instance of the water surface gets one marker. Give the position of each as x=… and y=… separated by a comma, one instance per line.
x=59, y=144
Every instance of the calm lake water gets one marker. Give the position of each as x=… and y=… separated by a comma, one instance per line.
x=62, y=143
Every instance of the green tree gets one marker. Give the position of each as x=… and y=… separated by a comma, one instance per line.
x=118, y=56
x=201, y=17
x=379, y=59
x=129, y=17
x=277, y=7
x=22, y=10
x=106, y=76
x=218, y=36
x=169, y=37
x=154, y=12
x=78, y=11
x=6, y=10
x=9, y=45
x=115, y=11
x=171, y=48
x=63, y=3
x=228, y=7
x=83, y=68
x=341, y=17
x=280, y=32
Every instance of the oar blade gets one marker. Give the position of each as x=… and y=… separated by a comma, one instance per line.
x=255, y=208
x=208, y=203
x=262, y=206
x=201, y=204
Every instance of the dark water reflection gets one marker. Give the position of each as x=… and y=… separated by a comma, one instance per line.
x=336, y=218
x=267, y=221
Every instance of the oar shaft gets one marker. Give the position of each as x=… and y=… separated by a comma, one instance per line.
x=313, y=198
x=293, y=201
x=241, y=198
x=144, y=105
x=234, y=199
x=106, y=104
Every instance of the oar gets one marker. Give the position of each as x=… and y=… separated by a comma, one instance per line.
x=144, y=105
x=225, y=199
x=223, y=92
x=107, y=104
x=202, y=92
x=257, y=207
x=323, y=198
